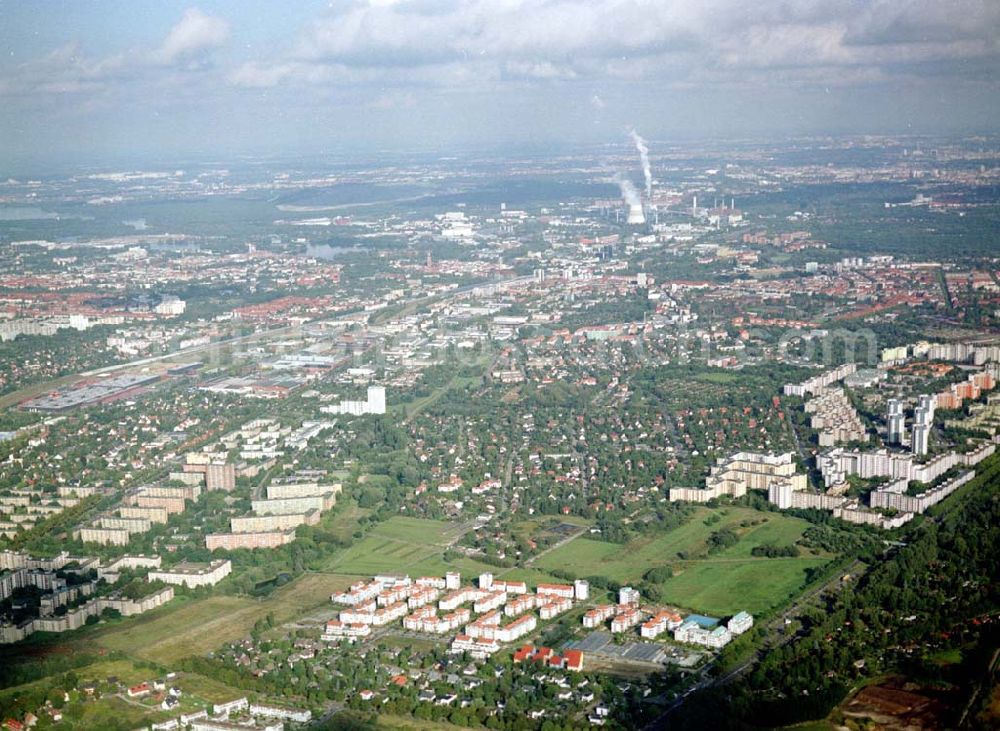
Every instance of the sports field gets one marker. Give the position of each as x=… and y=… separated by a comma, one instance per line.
x=718, y=583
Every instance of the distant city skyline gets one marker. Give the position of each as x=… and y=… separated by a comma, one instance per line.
x=133, y=80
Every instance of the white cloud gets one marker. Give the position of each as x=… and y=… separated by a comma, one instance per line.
x=486, y=45
x=256, y=75
x=390, y=102
x=364, y=34
x=538, y=70
x=68, y=70
x=195, y=33
x=559, y=40
x=64, y=70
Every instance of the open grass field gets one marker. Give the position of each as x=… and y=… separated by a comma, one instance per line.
x=726, y=587
x=586, y=557
x=416, y=546
x=343, y=521
x=413, y=408
x=398, y=544
x=717, y=583
x=375, y=554
x=403, y=723
x=470, y=568
x=418, y=530
x=531, y=577
x=198, y=626
x=628, y=562
x=110, y=710
x=191, y=629
x=206, y=689
x=951, y=656
x=99, y=671
x=779, y=530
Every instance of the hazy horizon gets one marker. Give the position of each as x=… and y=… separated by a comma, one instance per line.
x=188, y=80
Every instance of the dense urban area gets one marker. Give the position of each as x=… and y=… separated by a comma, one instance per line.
x=645, y=436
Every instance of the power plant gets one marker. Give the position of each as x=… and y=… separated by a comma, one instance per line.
x=636, y=217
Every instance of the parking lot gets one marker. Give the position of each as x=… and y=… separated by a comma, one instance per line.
x=601, y=644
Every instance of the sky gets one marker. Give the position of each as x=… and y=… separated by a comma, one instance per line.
x=136, y=79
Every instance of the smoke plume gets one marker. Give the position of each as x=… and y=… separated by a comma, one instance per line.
x=629, y=193
x=647, y=172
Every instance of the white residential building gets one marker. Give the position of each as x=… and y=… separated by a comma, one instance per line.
x=194, y=575
x=478, y=648
x=554, y=607
x=598, y=615
x=740, y=623
x=336, y=630
x=628, y=595
x=694, y=633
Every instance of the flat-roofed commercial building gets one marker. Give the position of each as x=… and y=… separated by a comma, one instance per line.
x=194, y=575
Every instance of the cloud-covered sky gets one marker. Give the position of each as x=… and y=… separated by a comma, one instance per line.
x=138, y=77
